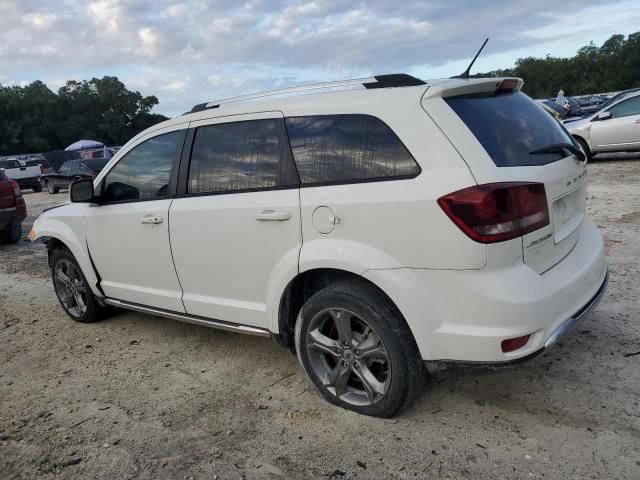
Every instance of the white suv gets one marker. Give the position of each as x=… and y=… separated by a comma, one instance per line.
x=368, y=229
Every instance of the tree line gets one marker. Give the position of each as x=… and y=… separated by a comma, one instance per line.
x=613, y=66
x=35, y=119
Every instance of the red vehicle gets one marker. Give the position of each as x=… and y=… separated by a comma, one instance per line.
x=13, y=210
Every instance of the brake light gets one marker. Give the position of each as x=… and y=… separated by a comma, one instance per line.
x=508, y=85
x=496, y=212
x=16, y=189
x=94, y=173
x=41, y=170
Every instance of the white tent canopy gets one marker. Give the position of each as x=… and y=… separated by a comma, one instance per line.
x=83, y=145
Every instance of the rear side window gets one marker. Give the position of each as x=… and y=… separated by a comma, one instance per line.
x=240, y=156
x=509, y=126
x=144, y=172
x=347, y=148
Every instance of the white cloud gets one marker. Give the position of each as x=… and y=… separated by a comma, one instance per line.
x=188, y=51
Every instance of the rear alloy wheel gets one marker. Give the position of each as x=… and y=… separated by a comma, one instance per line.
x=357, y=350
x=72, y=290
x=51, y=188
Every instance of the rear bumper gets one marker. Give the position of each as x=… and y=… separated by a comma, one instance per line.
x=464, y=316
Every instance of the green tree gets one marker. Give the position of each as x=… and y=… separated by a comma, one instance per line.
x=35, y=119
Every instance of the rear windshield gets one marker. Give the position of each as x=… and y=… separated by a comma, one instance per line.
x=95, y=164
x=509, y=126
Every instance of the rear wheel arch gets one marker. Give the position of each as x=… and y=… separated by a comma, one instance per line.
x=303, y=286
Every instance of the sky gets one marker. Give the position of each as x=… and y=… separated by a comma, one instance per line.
x=191, y=51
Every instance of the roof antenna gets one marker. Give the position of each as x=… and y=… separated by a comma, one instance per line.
x=465, y=74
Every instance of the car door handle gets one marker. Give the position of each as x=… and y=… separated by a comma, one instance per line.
x=273, y=215
x=152, y=219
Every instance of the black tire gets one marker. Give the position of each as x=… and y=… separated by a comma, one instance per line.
x=94, y=311
x=11, y=234
x=37, y=187
x=51, y=188
x=585, y=148
x=368, y=305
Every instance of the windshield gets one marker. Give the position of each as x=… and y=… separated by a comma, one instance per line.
x=510, y=126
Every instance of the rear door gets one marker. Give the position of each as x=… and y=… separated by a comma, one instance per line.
x=621, y=131
x=498, y=133
x=61, y=179
x=235, y=229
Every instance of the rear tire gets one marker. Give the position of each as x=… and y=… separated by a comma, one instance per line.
x=37, y=187
x=357, y=350
x=51, y=188
x=585, y=148
x=73, y=292
x=12, y=234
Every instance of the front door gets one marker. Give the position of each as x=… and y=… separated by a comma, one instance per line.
x=621, y=131
x=236, y=229
x=128, y=232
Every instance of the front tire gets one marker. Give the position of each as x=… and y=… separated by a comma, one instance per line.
x=357, y=350
x=73, y=292
x=51, y=188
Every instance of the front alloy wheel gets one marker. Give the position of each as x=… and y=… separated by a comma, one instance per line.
x=70, y=287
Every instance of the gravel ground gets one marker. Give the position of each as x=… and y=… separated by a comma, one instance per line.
x=139, y=397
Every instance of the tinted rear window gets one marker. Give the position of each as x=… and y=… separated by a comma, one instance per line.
x=347, y=148
x=509, y=126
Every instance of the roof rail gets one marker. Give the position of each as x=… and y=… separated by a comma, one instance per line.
x=378, y=81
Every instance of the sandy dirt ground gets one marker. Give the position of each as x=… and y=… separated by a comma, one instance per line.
x=140, y=397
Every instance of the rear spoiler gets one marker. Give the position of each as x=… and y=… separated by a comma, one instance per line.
x=460, y=86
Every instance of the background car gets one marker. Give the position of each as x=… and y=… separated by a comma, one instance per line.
x=71, y=171
x=614, y=128
x=13, y=210
x=26, y=174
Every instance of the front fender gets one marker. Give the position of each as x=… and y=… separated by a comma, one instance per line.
x=68, y=231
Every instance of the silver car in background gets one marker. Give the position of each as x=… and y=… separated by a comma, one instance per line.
x=615, y=128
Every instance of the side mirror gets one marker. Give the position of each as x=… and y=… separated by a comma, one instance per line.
x=81, y=191
x=604, y=116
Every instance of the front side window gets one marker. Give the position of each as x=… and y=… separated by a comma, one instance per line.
x=65, y=168
x=144, y=172
x=626, y=108
x=239, y=156
x=347, y=148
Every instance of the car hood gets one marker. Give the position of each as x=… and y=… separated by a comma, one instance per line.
x=577, y=124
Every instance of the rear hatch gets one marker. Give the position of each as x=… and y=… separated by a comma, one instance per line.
x=514, y=140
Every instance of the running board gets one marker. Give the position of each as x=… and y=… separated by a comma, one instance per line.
x=183, y=317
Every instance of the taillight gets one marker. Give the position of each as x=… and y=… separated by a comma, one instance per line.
x=41, y=170
x=496, y=212
x=94, y=173
x=16, y=189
